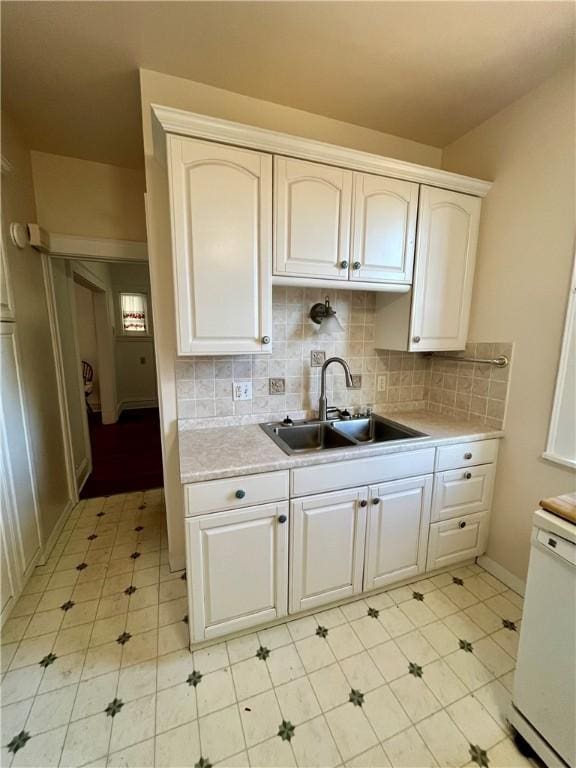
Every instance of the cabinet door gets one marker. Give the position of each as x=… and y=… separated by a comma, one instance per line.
x=312, y=208
x=398, y=522
x=384, y=229
x=238, y=567
x=453, y=541
x=221, y=207
x=327, y=553
x=444, y=269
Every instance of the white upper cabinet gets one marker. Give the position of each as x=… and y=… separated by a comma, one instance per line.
x=444, y=269
x=312, y=219
x=221, y=209
x=384, y=229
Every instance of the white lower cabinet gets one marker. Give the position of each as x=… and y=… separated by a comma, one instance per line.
x=461, y=538
x=398, y=522
x=238, y=569
x=327, y=547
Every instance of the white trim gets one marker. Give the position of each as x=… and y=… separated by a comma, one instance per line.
x=100, y=248
x=137, y=403
x=340, y=285
x=177, y=121
x=560, y=393
x=499, y=572
x=6, y=165
x=60, y=383
x=56, y=531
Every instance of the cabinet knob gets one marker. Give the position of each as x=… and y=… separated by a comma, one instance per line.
x=376, y=500
x=282, y=519
x=240, y=493
x=265, y=339
x=467, y=475
x=468, y=455
x=363, y=503
x=462, y=524
x=356, y=265
x=344, y=264
x=415, y=339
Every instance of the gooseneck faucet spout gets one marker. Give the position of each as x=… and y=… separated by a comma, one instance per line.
x=322, y=403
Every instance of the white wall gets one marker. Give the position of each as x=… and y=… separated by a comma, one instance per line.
x=36, y=352
x=521, y=288
x=176, y=92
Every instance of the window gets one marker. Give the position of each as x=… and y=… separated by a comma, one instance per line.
x=134, y=311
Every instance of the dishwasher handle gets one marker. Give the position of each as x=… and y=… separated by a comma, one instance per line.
x=562, y=548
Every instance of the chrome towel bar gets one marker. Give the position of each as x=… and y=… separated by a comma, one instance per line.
x=500, y=362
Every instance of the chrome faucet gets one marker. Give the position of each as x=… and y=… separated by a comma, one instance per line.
x=322, y=402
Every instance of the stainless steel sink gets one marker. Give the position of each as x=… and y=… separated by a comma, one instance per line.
x=308, y=436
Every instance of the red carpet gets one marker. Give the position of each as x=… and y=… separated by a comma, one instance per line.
x=126, y=456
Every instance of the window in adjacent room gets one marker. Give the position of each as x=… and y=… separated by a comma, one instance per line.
x=134, y=311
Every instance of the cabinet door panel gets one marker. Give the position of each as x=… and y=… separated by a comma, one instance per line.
x=221, y=203
x=444, y=269
x=238, y=564
x=384, y=229
x=328, y=533
x=312, y=219
x=453, y=541
x=397, y=531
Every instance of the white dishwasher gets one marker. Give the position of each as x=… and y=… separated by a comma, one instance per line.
x=543, y=707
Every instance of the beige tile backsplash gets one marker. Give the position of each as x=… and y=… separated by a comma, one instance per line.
x=391, y=380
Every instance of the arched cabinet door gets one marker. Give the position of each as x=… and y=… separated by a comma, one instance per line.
x=312, y=209
x=444, y=272
x=221, y=209
x=384, y=229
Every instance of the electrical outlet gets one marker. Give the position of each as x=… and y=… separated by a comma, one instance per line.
x=242, y=390
x=381, y=383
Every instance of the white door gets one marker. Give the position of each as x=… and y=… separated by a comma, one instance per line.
x=327, y=553
x=453, y=541
x=312, y=211
x=384, y=229
x=444, y=269
x=397, y=536
x=19, y=488
x=221, y=208
x=238, y=567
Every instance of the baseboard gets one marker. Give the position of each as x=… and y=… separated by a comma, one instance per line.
x=56, y=531
x=133, y=405
x=497, y=570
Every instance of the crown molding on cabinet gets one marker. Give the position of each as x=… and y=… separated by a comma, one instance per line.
x=178, y=121
x=99, y=248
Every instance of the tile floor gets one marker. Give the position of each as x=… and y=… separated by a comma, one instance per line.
x=96, y=670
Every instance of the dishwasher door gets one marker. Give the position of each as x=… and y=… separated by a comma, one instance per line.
x=545, y=677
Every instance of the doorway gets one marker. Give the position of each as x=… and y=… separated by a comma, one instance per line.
x=107, y=366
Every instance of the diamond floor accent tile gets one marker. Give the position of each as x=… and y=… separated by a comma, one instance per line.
x=96, y=668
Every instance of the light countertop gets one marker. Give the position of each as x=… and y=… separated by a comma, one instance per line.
x=210, y=454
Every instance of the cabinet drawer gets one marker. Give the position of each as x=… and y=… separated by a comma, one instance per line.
x=466, y=454
x=375, y=469
x=455, y=540
x=235, y=492
x=462, y=491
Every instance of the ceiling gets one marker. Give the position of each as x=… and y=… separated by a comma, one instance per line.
x=428, y=71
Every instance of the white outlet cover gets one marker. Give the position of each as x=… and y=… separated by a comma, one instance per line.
x=242, y=390
x=381, y=383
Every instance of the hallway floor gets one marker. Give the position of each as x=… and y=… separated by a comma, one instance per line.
x=126, y=456
x=97, y=672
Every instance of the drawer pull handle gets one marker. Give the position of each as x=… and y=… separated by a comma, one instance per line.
x=282, y=519
x=240, y=494
x=462, y=524
x=265, y=339
x=363, y=503
x=467, y=475
x=468, y=455
x=376, y=500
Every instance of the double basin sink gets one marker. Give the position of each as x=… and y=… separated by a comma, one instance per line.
x=307, y=436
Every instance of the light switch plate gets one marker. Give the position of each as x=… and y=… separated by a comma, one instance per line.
x=382, y=383
x=242, y=390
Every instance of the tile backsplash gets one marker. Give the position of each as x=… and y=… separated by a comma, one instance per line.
x=288, y=380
